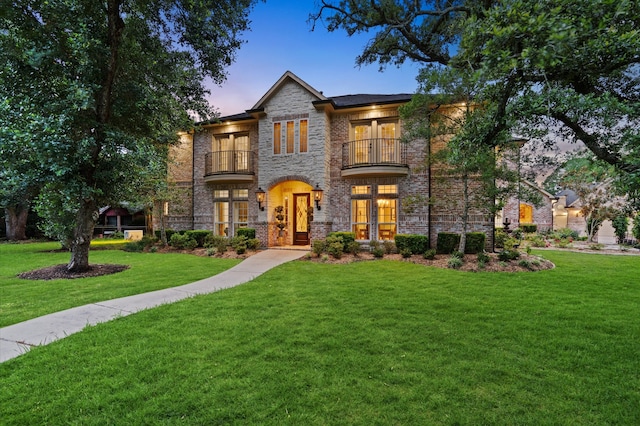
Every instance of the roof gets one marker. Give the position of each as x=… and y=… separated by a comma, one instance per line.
x=346, y=101
x=337, y=102
x=572, y=197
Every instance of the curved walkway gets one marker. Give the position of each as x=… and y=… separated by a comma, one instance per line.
x=19, y=338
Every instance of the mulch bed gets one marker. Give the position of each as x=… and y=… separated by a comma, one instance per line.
x=533, y=263
x=60, y=272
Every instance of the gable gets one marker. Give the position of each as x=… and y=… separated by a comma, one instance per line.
x=288, y=78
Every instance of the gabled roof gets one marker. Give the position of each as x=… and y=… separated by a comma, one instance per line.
x=287, y=76
x=572, y=197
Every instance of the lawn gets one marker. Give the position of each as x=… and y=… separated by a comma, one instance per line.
x=25, y=299
x=360, y=344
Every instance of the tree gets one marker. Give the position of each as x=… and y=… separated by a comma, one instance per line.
x=571, y=66
x=105, y=86
x=454, y=153
x=591, y=180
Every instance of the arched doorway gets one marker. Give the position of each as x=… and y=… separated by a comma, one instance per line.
x=291, y=213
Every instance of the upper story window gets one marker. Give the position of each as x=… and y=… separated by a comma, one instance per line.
x=387, y=189
x=374, y=141
x=291, y=136
x=230, y=153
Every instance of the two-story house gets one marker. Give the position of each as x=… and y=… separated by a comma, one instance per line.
x=325, y=163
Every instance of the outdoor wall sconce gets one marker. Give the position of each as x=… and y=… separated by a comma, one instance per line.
x=260, y=198
x=317, y=195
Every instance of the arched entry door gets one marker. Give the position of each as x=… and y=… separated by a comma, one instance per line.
x=290, y=224
x=301, y=223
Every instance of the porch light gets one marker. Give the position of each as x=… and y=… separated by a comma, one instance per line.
x=260, y=198
x=317, y=195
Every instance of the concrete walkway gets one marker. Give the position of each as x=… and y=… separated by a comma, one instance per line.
x=19, y=338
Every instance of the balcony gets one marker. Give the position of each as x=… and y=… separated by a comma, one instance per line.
x=228, y=167
x=374, y=157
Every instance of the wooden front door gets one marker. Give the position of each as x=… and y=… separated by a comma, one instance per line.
x=302, y=203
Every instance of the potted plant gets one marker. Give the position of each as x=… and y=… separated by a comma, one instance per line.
x=280, y=218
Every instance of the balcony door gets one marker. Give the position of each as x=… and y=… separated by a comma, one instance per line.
x=302, y=204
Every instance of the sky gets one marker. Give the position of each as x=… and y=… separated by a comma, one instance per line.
x=280, y=40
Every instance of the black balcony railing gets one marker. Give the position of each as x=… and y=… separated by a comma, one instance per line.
x=372, y=152
x=228, y=162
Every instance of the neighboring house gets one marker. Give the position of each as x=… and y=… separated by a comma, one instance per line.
x=120, y=219
x=519, y=211
x=331, y=163
x=567, y=214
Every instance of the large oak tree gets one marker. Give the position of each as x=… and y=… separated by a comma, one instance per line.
x=93, y=91
x=569, y=66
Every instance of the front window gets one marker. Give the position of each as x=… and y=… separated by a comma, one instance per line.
x=387, y=214
x=226, y=222
x=290, y=137
x=304, y=132
x=221, y=218
x=277, y=135
x=361, y=218
x=526, y=213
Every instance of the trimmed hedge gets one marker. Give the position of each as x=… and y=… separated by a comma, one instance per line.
x=447, y=243
x=346, y=238
x=475, y=242
x=413, y=243
x=529, y=227
x=250, y=233
x=199, y=235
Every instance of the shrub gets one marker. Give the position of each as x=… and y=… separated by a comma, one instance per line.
x=596, y=246
x=181, y=241
x=635, y=231
x=140, y=245
x=253, y=244
x=454, y=262
x=566, y=233
x=620, y=225
x=475, y=242
x=335, y=249
x=354, y=248
x=457, y=253
x=529, y=227
x=239, y=244
x=117, y=235
x=169, y=233
x=378, y=252
x=500, y=237
x=319, y=246
x=525, y=264
x=198, y=235
x=216, y=241
x=389, y=247
x=406, y=253
x=416, y=243
x=507, y=255
x=250, y=233
x=447, y=242
x=537, y=241
x=483, y=257
x=133, y=246
x=429, y=254
x=344, y=237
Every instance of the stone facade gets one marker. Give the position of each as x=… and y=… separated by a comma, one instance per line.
x=299, y=141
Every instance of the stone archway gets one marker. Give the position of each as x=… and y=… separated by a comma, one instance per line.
x=289, y=211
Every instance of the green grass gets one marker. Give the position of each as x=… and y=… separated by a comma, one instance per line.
x=25, y=299
x=360, y=344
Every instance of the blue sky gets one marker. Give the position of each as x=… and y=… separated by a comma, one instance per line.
x=281, y=40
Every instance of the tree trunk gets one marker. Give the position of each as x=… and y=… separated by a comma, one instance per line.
x=16, y=222
x=85, y=222
x=465, y=213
